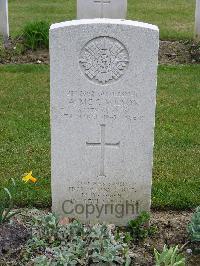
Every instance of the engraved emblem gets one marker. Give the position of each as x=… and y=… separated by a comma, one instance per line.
x=104, y=60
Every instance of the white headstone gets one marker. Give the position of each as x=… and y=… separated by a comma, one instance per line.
x=103, y=98
x=101, y=9
x=4, y=26
x=197, y=21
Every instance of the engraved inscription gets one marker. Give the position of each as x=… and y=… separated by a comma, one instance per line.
x=116, y=191
x=103, y=144
x=104, y=60
x=103, y=3
x=105, y=194
x=102, y=105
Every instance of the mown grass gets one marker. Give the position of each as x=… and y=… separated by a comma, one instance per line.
x=177, y=138
x=23, y=11
x=25, y=134
x=174, y=18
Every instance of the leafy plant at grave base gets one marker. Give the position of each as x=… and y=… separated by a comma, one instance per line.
x=73, y=244
x=139, y=228
x=7, y=205
x=169, y=257
x=194, y=226
x=195, y=51
x=36, y=35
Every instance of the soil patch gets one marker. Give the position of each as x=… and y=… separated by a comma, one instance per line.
x=170, y=52
x=179, y=52
x=12, y=238
x=171, y=230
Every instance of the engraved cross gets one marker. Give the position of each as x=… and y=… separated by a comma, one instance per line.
x=102, y=3
x=103, y=144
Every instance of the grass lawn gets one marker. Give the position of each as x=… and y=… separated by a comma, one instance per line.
x=175, y=18
x=25, y=134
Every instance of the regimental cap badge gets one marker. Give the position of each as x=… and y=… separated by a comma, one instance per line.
x=104, y=60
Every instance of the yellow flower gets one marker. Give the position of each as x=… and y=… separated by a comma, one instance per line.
x=29, y=177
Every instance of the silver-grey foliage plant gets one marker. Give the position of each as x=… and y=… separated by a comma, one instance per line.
x=194, y=226
x=73, y=244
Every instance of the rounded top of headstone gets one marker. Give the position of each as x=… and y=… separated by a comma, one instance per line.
x=104, y=21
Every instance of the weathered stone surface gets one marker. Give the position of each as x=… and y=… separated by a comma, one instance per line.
x=4, y=26
x=115, y=9
x=197, y=21
x=103, y=95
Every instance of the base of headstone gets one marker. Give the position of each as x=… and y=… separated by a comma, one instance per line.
x=4, y=24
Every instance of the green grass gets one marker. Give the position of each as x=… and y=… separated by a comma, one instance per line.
x=36, y=35
x=25, y=134
x=177, y=138
x=175, y=18
x=23, y=11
